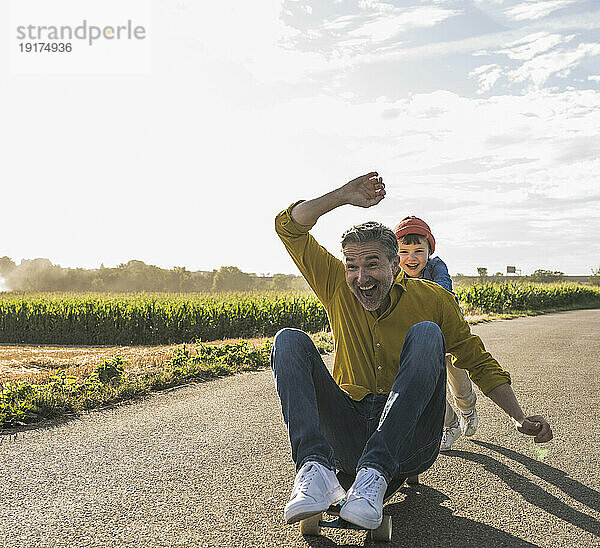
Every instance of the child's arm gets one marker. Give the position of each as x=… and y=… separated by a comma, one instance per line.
x=437, y=271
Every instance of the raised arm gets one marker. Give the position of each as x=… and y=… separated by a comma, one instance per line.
x=364, y=191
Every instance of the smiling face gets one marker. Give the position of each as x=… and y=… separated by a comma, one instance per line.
x=370, y=274
x=413, y=256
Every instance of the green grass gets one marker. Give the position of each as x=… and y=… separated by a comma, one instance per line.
x=112, y=382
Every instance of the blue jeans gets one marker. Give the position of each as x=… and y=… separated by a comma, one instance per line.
x=397, y=434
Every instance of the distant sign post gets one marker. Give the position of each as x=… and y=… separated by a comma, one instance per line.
x=513, y=270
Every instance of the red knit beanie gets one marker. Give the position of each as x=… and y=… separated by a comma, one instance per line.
x=414, y=225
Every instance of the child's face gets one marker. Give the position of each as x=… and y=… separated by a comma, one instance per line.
x=413, y=257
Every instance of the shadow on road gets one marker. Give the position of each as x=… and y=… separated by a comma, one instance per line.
x=421, y=520
x=556, y=477
x=11, y=434
x=533, y=493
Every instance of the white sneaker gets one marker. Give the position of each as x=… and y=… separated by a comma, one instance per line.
x=316, y=488
x=449, y=436
x=468, y=423
x=364, y=502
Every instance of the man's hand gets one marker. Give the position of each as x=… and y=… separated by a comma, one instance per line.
x=364, y=191
x=537, y=426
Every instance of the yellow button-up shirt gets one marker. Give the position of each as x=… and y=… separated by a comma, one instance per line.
x=367, y=349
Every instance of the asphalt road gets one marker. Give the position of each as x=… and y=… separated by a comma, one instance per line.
x=209, y=464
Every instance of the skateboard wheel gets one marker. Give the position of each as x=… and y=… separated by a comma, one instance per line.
x=412, y=480
x=383, y=533
x=310, y=526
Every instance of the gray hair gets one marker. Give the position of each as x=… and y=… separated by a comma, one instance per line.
x=372, y=231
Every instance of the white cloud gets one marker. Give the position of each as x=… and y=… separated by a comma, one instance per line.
x=539, y=69
x=487, y=75
x=536, y=9
x=528, y=47
x=359, y=39
x=540, y=56
x=503, y=139
x=388, y=22
x=375, y=5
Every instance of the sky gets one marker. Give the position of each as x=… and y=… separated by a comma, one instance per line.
x=482, y=117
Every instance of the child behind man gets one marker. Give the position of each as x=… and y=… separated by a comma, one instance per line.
x=416, y=245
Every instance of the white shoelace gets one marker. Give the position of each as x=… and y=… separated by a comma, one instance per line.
x=308, y=474
x=304, y=480
x=369, y=486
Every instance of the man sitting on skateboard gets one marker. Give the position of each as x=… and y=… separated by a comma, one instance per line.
x=381, y=414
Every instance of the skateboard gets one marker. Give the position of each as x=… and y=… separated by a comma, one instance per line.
x=312, y=526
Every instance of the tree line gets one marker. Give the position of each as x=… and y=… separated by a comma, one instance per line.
x=538, y=276
x=42, y=275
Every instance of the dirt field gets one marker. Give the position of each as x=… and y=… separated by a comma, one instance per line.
x=36, y=362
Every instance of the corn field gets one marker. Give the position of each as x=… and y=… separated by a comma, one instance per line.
x=152, y=319
x=126, y=319
x=515, y=297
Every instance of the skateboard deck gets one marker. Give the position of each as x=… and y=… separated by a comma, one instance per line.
x=312, y=526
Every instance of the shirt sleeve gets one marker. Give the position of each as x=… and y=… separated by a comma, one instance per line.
x=322, y=271
x=438, y=273
x=468, y=349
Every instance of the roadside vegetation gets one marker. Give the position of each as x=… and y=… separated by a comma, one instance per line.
x=113, y=381
x=500, y=298
x=153, y=319
x=150, y=319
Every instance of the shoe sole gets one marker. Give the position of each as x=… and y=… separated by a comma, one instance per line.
x=303, y=515
x=358, y=520
x=308, y=512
